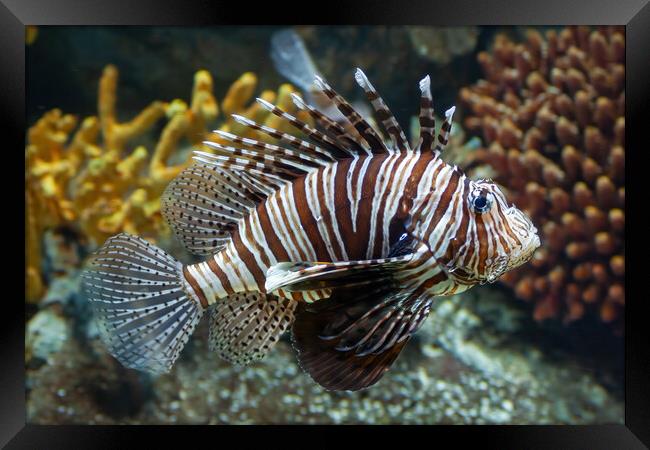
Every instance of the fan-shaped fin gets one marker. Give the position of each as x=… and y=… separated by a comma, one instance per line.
x=349, y=341
x=144, y=313
x=321, y=275
x=203, y=205
x=244, y=327
x=291, y=58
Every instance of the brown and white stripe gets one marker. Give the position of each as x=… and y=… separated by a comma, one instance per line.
x=335, y=198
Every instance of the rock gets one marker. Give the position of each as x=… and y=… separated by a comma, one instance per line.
x=468, y=364
x=46, y=334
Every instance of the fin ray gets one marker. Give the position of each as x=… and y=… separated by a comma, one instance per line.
x=344, y=348
x=388, y=121
x=302, y=275
x=366, y=131
x=445, y=130
x=203, y=204
x=305, y=149
x=144, y=324
x=427, y=118
x=244, y=327
x=313, y=134
x=333, y=128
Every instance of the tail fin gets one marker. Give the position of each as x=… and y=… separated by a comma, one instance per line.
x=137, y=293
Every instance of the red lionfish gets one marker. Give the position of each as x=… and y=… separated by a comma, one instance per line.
x=343, y=236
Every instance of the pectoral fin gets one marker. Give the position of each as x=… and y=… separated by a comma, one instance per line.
x=350, y=341
x=301, y=276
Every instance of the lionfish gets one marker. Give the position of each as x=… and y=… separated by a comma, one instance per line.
x=341, y=235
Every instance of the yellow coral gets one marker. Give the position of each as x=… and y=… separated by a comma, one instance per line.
x=116, y=134
x=94, y=183
x=31, y=33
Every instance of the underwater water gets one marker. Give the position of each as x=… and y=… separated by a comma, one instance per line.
x=114, y=113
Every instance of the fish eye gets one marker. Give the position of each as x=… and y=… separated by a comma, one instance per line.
x=481, y=203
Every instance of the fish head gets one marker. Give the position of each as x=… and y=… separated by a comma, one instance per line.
x=499, y=237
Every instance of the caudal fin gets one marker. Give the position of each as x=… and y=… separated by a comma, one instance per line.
x=137, y=293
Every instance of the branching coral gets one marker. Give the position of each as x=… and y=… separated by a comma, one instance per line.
x=551, y=114
x=99, y=181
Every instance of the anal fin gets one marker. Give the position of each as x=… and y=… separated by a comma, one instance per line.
x=244, y=327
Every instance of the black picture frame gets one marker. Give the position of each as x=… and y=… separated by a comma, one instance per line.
x=634, y=14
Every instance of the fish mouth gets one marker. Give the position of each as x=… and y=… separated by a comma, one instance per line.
x=520, y=256
x=500, y=265
x=526, y=251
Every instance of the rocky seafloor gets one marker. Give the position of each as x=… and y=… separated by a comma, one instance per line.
x=477, y=359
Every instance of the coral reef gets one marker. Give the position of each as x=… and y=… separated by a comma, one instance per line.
x=470, y=365
x=550, y=112
x=101, y=180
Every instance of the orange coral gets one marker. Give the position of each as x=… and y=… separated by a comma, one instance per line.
x=95, y=183
x=551, y=113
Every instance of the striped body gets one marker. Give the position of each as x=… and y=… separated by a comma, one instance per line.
x=342, y=212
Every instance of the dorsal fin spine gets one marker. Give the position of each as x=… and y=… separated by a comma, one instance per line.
x=301, y=126
x=334, y=128
x=305, y=147
x=427, y=119
x=445, y=130
x=269, y=150
x=234, y=162
x=363, y=128
x=285, y=157
x=387, y=119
